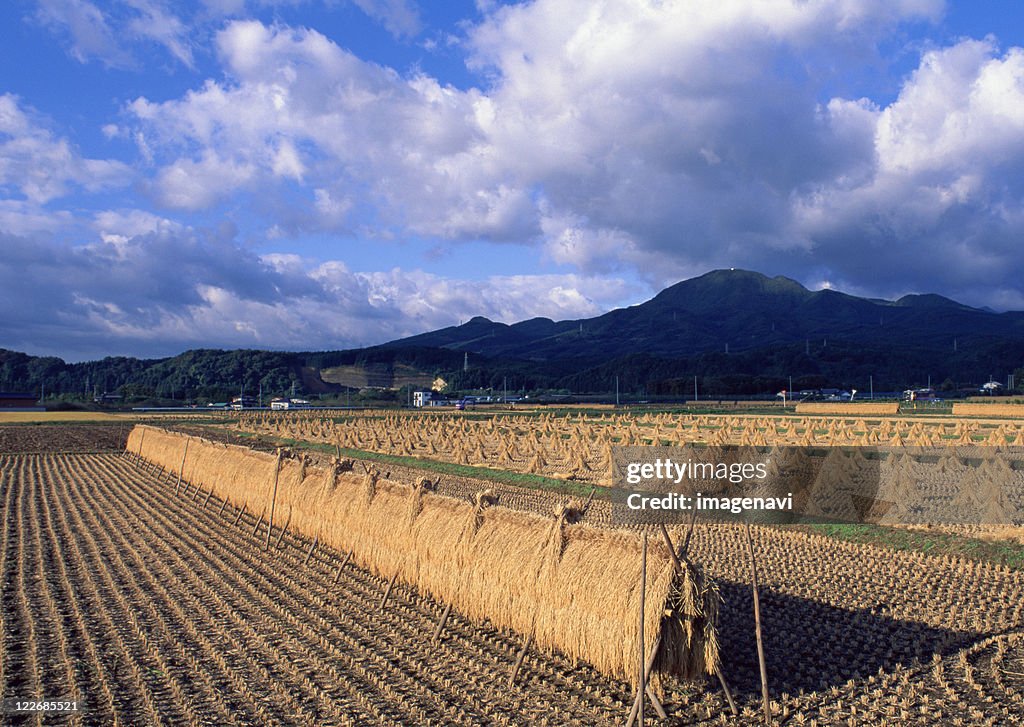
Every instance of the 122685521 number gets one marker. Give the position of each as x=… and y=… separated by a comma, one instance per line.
x=40, y=705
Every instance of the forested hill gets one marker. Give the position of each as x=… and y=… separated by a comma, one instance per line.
x=207, y=375
x=739, y=310
x=738, y=332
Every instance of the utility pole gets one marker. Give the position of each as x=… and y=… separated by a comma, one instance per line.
x=871, y=384
x=695, y=388
x=616, y=391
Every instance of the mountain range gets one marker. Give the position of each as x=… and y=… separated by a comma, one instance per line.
x=736, y=308
x=736, y=331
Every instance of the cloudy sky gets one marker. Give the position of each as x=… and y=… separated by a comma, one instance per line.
x=316, y=174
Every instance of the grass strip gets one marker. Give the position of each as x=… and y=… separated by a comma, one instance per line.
x=517, y=479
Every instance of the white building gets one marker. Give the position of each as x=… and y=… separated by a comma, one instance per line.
x=282, y=403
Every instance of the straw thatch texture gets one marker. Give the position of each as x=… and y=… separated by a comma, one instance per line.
x=863, y=408
x=988, y=410
x=575, y=587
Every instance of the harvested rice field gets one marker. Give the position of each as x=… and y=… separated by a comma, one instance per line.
x=151, y=608
x=146, y=587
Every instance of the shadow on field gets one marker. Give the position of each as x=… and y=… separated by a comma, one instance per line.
x=814, y=646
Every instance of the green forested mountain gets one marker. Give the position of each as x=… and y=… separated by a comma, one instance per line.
x=738, y=332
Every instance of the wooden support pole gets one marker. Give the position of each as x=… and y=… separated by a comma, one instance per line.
x=640, y=630
x=273, y=501
x=239, y=515
x=181, y=469
x=207, y=499
x=223, y=504
x=766, y=703
x=311, y=548
x=728, y=692
x=142, y=438
x=677, y=559
x=387, y=592
x=519, y=659
x=648, y=689
x=196, y=493
x=658, y=706
x=280, y=536
x=689, y=532
x=337, y=576
x=259, y=522
x=440, y=624
x=586, y=505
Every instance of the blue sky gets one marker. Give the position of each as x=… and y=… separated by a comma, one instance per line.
x=326, y=174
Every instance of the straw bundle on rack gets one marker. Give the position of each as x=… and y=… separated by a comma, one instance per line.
x=574, y=587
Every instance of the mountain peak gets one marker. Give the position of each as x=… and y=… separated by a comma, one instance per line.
x=731, y=289
x=928, y=300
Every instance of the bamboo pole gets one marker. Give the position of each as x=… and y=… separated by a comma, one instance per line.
x=208, y=496
x=337, y=575
x=239, y=515
x=757, y=629
x=257, y=525
x=519, y=659
x=643, y=660
x=586, y=505
x=440, y=624
x=648, y=689
x=311, y=549
x=387, y=591
x=181, y=469
x=685, y=548
x=280, y=536
x=142, y=439
x=223, y=504
x=728, y=692
x=273, y=500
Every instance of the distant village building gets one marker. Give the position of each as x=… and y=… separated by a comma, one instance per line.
x=284, y=403
x=245, y=402
x=428, y=398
